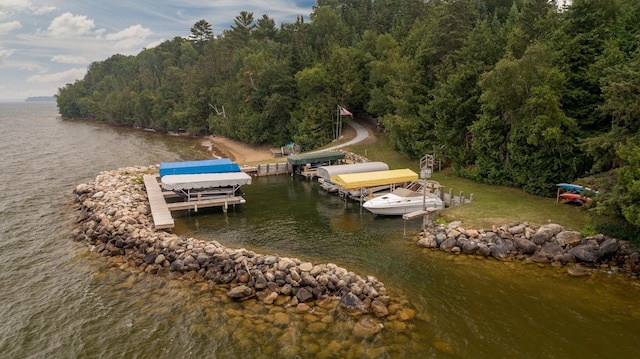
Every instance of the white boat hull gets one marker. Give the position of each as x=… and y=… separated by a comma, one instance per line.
x=394, y=205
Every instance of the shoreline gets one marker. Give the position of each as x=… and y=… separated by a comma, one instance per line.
x=546, y=244
x=237, y=151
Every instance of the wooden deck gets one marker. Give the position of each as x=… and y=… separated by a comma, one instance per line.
x=267, y=169
x=159, y=211
x=223, y=202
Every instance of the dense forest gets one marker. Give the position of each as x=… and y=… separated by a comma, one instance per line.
x=522, y=93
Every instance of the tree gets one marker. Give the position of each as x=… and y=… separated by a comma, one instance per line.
x=314, y=115
x=454, y=102
x=628, y=189
x=522, y=137
x=265, y=28
x=201, y=32
x=240, y=33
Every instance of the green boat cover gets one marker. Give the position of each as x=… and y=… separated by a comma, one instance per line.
x=315, y=157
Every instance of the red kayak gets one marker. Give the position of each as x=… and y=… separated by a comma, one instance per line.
x=574, y=197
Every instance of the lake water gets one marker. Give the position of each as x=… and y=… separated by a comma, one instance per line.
x=59, y=300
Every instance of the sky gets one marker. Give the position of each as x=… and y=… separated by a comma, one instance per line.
x=46, y=44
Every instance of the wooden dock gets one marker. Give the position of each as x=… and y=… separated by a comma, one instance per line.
x=267, y=169
x=159, y=211
x=223, y=202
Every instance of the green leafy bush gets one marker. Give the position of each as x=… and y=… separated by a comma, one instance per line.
x=625, y=232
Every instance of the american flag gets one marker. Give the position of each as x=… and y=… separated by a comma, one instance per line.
x=344, y=112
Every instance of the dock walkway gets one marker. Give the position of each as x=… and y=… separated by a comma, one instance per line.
x=223, y=202
x=162, y=218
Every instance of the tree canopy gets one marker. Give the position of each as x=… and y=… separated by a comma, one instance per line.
x=515, y=92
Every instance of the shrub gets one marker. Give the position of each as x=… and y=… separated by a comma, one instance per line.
x=625, y=232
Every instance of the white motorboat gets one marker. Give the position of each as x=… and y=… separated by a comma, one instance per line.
x=402, y=201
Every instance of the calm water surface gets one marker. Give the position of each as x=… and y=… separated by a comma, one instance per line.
x=58, y=300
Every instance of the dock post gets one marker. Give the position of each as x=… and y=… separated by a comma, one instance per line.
x=224, y=209
x=451, y=199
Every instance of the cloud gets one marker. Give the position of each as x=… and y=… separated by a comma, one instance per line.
x=130, y=37
x=5, y=54
x=68, y=59
x=9, y=8
x=68, y=24
x=68, y=76
x=7, y=27
x=29, y=66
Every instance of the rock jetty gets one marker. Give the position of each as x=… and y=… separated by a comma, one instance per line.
x=114, y=218
x=549, y=243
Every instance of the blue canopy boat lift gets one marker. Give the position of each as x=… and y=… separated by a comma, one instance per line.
x=192, y=185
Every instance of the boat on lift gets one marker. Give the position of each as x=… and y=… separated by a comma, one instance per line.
x=417, y=196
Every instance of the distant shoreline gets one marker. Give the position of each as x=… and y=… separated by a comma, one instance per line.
x=40, y=99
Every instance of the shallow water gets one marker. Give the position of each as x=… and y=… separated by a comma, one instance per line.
x=59, y=300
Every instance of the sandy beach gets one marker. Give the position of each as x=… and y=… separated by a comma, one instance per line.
x=237, y=151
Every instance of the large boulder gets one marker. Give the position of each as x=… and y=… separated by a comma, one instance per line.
x=448, y=244
x=351, y=303
x=483, y=249
x=555, y=228
x=538, y=257
x=507, y=243
x=304, y=295
x=544, y=234
x=469, y=247
x=428, y=242
x=517, y=229
x=584, y=253
x=379, y=308
x=569, y=239
x=607, y=248
x=499, y=251
x=240, y=292
x=525, y=246
x=551, y=249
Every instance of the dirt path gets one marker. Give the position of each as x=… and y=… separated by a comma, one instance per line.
x=243, y=153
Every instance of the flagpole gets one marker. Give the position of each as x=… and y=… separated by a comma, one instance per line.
x=340, y=127
x=337, y=120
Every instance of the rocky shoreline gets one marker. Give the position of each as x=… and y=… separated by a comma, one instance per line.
x=549, y=243
x=114, y=218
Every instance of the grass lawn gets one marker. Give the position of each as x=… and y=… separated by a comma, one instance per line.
x=492, y=205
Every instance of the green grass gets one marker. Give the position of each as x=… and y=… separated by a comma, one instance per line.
x=492, y=205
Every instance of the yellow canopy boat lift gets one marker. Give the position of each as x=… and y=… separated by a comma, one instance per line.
x=354, y=185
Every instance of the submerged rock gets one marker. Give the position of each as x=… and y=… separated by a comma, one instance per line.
x=366, y=327
x=240, y=292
